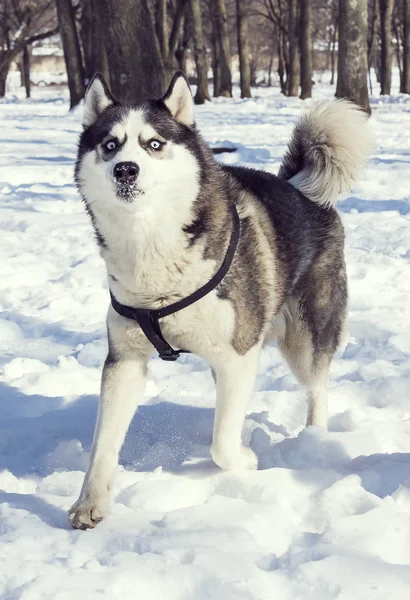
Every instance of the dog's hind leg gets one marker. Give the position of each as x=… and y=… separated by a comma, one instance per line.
x=235, y=378
x=314, y=329
x=122, y=385
x=296, y=345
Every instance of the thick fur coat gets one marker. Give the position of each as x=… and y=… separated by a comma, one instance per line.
x=161, y=208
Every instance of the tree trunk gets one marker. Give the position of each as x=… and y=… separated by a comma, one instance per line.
x=294, y=66
x=216, y=71
x=306, y=70
x=333, y=55
x=216, y=67
x=405, y=76
x=352, y=61
x=183, y=44
x=172, y=41
x=372, y=39
x=162, y=28
x=270, y=69
x=202, y=92
x=281, y=62
x=72, y=51
x=253, y=71
x=86, y=38
x=243, y=50
x=223, y=46
x=329, y=49
x=4, y=71
x=25, y=62
x=92, y=40
x=386, y=12
x=398, y=47
x=133, y=53
x=335, y=21
x=163, y=39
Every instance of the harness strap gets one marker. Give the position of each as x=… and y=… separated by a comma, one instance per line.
x=147, y=318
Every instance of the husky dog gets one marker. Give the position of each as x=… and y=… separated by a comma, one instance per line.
x=162, y=210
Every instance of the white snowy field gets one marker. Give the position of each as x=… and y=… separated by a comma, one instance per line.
x=326, y=516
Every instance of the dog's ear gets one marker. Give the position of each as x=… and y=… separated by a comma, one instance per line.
x=178, y=100
x=97, y=98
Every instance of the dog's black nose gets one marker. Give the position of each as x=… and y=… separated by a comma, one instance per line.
x=126, y=172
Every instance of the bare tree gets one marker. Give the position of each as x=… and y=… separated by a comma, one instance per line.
x=92, y=40
x=352, y=59
x=216, y=53
x=161, y=18
x=25, y=70
x=243, y=49
x=281, y=60
x=293, y=78
x=333, y=53
x=275, y=12
x=22, y=22
x=372, y=37
x=133, y=52
x=305, y=49
x=331, y=36
x=169, y=39
x=202, y=92
x=223, y=46
x=405, y=76
x=181, y=53
x=72, y=51
x=386, y=54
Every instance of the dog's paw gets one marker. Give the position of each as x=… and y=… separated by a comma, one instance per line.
x=87, y=513
x=244, y=459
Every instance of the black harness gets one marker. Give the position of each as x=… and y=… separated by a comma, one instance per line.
x=147, y=318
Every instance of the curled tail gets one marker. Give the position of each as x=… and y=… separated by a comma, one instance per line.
x=330, y=144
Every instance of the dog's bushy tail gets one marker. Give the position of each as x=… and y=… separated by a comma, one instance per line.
x=330, y=144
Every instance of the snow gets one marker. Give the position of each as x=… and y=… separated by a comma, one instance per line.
x=327, y=516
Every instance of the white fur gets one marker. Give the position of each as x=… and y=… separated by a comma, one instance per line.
x=179, y=101
x=317, y=401
x=208, y=326
x=235, y=378
x=335, y=139
x=145, y=236
x=119, y=396
x=144, y=240
x=95, y=102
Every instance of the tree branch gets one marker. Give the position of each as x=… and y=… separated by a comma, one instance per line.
x=40, y=36
x=176, y=26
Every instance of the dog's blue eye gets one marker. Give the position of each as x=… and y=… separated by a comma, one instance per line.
x=155, y=144
x=110, y=146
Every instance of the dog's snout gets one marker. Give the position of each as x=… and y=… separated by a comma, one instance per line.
x=126, y=172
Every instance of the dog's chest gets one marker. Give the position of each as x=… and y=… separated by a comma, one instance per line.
x=205, y=328
x=154, y=274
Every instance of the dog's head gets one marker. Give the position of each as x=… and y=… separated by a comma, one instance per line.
x=139, y=158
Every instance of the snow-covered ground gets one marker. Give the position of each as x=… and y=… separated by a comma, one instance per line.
x=327, y=516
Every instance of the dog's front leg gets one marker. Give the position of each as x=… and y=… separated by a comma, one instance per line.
x=235, y=378
x=122, y=385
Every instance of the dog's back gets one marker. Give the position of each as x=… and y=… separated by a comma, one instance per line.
x=301, y=228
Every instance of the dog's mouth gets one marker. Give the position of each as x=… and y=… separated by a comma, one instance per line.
x=128, y=191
